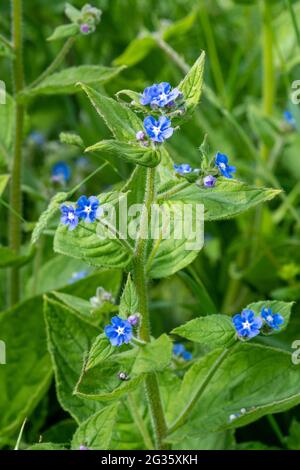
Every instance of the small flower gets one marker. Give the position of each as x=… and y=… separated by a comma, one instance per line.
x=159, y=95
x=209, y=181
x=180, y=351
x=85, y=28
x=246, y=324
x=82, y=447
x=222, y=164
x=61, y=172
x=119, y=332
x=273, y=320
x=101, y=297
x=159, y=130
x=140, y=135
x=87, y=208
x=37, y=138
x=134, y=319
x=183, y=169
x=69, y=216
x=289, y=118
x=77, y=276
x=123, y=376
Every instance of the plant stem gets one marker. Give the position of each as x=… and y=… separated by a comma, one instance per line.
x=277, y=431
x=212, y=51
x=15, y=201
x=182, y=418
x=268, y=88
x=294, y=19
x=174, y=56
x=133, y=407
x=141, y=281
x=56, y=62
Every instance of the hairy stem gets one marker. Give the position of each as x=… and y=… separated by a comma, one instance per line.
x=15, y=199
x=56, y=62
x=141, y=281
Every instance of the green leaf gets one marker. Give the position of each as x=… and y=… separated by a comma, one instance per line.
x=69, y=340
x=47, y=215
x=169, y=254
x=3, y=182
x=92, y=245
x=255, y=379
x=96, y=432
x=136, y=51
x=72, y=13
x=70, y=138
x=129, y=299
x=64, y=31
x=213, y=330
x=293, y=439
x=65, y=81
x=7, y=115
x=180, y=27
x=27, y=373
x=9, y=258
x=228, y=198
x=130, y=152
x=101, y=382
x=46, y=446
x=100, y=351
x=191, y=85
x=153, y=357
x=283, y=308
x=123, y=123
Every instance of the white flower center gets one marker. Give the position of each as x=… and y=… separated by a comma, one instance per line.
x=222, y=166
x=163, y=96
x=246, y=325
x=71, y=216
x=269, y=318
x=120, y=330
x=156, y=131
x=88, y=209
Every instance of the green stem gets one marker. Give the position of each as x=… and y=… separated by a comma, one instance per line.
x=268, y=87
x=212, y=51
x=16, y=171
x=141, y=281
x=184, y=415
x=56, y=62
x=294, y=19
x=277, y=431
x=138, y=420
x=174, y=56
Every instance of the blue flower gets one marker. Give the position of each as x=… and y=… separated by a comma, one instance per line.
x=289, y=118
x=209, y=181
x=87, y=208
x=158, y=130
x=222, y=164
x=246, y=324
x=119, y=332
x=159, y=95
x=69, y=216
x=37, y=138
x=61, y=172
x=180, y=351
x=77, y=276
x=183, y=169
x=273, y=320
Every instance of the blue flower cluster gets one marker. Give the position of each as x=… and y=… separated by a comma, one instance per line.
x=248, y=326
x=119, y=332
x=87, y=209
x=160, y=95
x=180, y=351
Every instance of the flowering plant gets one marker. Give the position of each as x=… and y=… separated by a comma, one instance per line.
x=156, y=334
